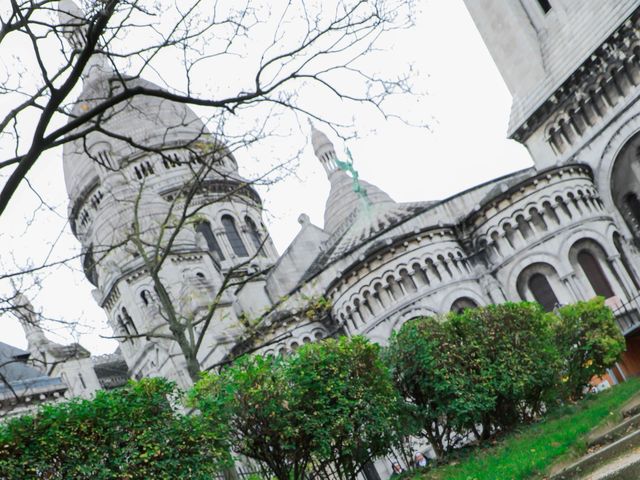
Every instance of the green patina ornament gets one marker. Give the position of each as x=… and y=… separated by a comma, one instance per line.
x=348, y=167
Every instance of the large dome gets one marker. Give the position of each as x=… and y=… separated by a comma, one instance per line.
x=125, y=130
x=343, y=202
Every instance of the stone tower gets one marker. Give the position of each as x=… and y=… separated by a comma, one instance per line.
x=570, y=67
x=129, y=181
x=573, y=69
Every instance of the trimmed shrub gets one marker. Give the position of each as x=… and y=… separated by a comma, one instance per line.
x=329, y=403
x=589, y=342
x=129, y=433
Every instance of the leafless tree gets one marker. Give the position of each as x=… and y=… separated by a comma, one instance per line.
x=280, y=50
x=247, y=64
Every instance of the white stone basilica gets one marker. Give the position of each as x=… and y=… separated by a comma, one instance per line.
x=566, y=229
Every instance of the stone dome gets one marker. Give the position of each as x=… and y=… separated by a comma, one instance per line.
x=146, y=121
x=343, y=201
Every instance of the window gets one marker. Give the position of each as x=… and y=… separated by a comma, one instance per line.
x=633, y=206
x=89, y=266
x=542, y=291
x=144, y=295
x=124, y=329
x=234, y=237
x=594, y=273
x=544, y=5
x=254, y=233
x=204, y=228
x=129, y=325
x=461, y=304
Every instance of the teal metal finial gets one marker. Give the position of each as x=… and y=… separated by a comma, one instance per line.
x=348, y=167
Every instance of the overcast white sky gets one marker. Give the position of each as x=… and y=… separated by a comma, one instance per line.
x=467, y=107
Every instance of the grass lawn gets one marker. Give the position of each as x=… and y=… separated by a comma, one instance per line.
x=529, y=452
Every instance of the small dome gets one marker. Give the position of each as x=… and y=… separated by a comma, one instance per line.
x=343, y=202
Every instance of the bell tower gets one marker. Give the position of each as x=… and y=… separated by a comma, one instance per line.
x=153, y=183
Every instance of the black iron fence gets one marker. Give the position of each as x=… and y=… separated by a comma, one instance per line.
x=628, y=314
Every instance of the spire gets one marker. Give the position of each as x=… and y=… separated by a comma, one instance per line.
x=30, y=322
x=73, y=23
x=323, y=148
x=74, y=26
x=348, y=192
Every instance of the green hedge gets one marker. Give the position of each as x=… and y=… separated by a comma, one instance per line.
x=489, y=369
x=129, y=433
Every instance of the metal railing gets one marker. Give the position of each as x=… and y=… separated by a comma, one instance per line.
x=628, y=315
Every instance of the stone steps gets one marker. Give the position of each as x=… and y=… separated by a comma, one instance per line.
x=626, y=467
x=601, y=458
x=627, y=426
x=614, y=454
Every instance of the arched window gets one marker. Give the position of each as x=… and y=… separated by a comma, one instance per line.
x=254, y=233
x=204, y=228
x=594, y=273
x=542, y=291
x=633, y=206
x=129, y=325
x=89, y=266
x=144, y=295
x=234, y=237
x=122, y=326
x=461, y=304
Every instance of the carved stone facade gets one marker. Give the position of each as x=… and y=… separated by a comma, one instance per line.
x=565, y=230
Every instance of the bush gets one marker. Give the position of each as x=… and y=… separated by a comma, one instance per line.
x=519, y=364
x=254, y=398
x=430, y=372
x=129, y=433
x=349, y=401
x=490, y=367
x=331, y=402
x=589, y=342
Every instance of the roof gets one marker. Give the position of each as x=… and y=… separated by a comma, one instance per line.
x=362, y=226
x=19, y=375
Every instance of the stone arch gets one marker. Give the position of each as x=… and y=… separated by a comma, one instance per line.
x=537, y=218
x=623, y=140
x=461, y=304
x=585, y=233
x=145, y=296
x=539, y=282
x=382, y=331
x=562, y=268
x=590, y=261
x=458, y=293
x=523, y=226
x=625, y=183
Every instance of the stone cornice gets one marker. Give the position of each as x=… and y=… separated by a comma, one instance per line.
x=593, y=88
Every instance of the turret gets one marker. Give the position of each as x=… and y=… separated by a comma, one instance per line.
x=349, y=194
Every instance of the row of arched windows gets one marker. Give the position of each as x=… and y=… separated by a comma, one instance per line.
x=516, y=233
x=233, y=236
x=542, y=291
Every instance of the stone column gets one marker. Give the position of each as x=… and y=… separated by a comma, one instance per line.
x=579, y=288
x=493, y=289
x=571, y=287
x=621, y=273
